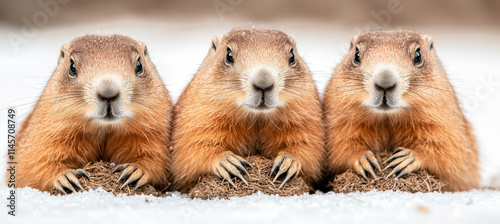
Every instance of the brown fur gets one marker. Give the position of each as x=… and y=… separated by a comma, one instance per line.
x=208, y=122
x=432, y=126
x=57, y=135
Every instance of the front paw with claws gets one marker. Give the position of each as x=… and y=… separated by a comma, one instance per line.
x=403, y=161
x=69, y=178
x=134, y=174
x=286, y=163
x=366, y=163
x=229, y=165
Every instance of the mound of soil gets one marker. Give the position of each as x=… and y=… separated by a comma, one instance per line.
x=420, y=181
x=211, y=186
x=101, y=176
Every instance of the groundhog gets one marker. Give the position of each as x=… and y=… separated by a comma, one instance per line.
x=252, y=95
x=391, y=93
x=104, y=101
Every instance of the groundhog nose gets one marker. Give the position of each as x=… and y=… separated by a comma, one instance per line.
x=385, y=81
x=107, y=90
x=263, y=81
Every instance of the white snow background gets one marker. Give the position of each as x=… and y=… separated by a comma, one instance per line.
x=471, y=58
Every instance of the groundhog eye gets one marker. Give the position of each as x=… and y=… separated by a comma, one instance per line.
x=418, y=57
x=229, y=56
x=72, y=69
x=356, y=57
x=138, y=67
x=291, y=58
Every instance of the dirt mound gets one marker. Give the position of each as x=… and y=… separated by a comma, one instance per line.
x=101, y=176
x=420, y=181
x=211, y=186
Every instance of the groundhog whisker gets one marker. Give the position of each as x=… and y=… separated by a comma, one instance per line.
x=254, y=119
x=431, y=95
x=296, y=88
x=354, y=89
x=351, y=85
x=432, y=87
x=298, y=81
x=33, y=102
x=351, y=78
x=271, y=119
x=291, y=91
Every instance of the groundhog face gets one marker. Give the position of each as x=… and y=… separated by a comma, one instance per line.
x=259, y=68
x=104, y=76
x=388, y=66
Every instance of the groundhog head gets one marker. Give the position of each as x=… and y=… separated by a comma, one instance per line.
x=257, y=69
x=384, y=69
x=106, y=78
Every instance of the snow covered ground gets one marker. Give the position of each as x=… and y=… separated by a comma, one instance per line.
x=469, y=56
x=373, y=207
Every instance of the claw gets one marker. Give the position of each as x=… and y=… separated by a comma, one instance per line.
x=127, y=171
x=277, y=163
x=73, y=180
x=120, y=168
x=68, y=178
x=398, y=153
x=137, y=174
x=132, y=173
x=63, y=180
x=82, y=173
x=365, y=163
x=287, y=164
x=231, y=164
x=141, y=182
x=373, y=161
x=225, y=175
x=236, y=161
x=359, y=169
x=233, y=170
x=59, y=187
x=403, y=162
x=292, y=172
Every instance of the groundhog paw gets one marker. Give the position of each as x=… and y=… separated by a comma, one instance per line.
x=404, y=161
x=231, y=164
x=287, y=164
x=366, y=163
x=69, y=178
x=134, y=174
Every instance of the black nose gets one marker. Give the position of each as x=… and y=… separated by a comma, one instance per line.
x=263, y=88
x=385, y=88
x=385, y=80
x=108, y=97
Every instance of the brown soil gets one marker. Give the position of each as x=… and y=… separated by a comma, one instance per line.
x=101, y=176
x=211, y=186
x=420, y=181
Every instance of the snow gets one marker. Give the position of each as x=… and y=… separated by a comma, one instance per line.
x=469, y=56
x=372, y=207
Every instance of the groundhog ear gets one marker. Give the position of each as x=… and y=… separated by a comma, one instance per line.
x=64, y=51
x=144, y=48
x=353, y=40
x=215, y=42
x=429, y=42
x=292, y=41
